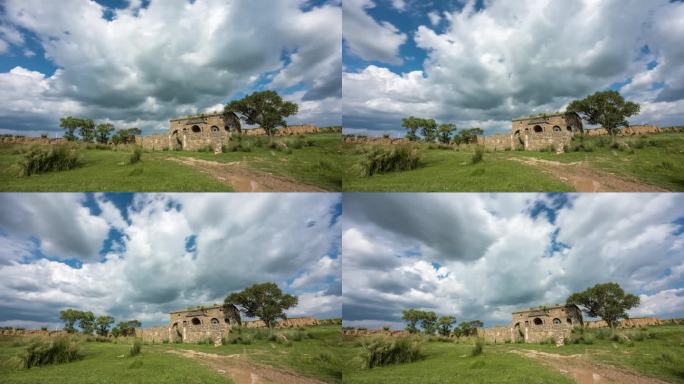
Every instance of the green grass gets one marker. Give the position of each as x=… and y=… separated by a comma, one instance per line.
x=106, y=363
x=317, y=356
x=654, y=159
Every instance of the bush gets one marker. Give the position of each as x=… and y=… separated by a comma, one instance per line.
x=50, y=351
x=380, y=352
x=135, y=156
x=478, y=348
x=56, y=158
x=135, y=348
x=478, y=155
x=381, y=160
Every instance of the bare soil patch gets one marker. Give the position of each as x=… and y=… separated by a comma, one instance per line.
x=585, y=371
x=243, y=371
x=585, y=179
x=243, y=179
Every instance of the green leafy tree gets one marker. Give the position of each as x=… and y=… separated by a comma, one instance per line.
x=127, y=328
x=87, y=130
x=266, y=109
x=87, y=322
x=428, y=322
x=126, y=136
x=103, y=132
x=468, y=136
x=69, y=317
x=607, y=301
x=445, y=132
x=103, y=323
x=469, y=328
x=444, y=324
x=70, y=124
x=265, y=301
x=116, y=332
x=428, y=128
x=411, y=124
x=411, y=317
x=608, y=109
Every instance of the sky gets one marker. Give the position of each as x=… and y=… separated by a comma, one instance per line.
x=481, y=63
x=139, y=256
x=142, y=62
x=482, y=256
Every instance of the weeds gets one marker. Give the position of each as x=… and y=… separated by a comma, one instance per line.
x=381, y=160
x=478, y=348
x=135, y=156
x=379, y=352
x=57, y=158
x=52, y=351
x=135, y=348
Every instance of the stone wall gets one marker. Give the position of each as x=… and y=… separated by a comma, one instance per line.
x=286, y=131
x=555, y=141
x=629, y=323
x=186, y=333
x=292, y=322
x=499, y=142
x=28, y=140
x=365, y=140
x=495, y=335
x=646, y=129
x=31, y=332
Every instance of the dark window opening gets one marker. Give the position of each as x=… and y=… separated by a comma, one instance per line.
x=538, y=321
x=196, y=129
x=538, y=129
x=196, y=321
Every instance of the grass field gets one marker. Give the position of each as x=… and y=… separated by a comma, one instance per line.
x=661, y=356
x=108, y=170
x=656, y=160
x=313, y=356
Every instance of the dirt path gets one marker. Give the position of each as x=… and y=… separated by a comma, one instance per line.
x=585, y=179
x=243, y=179
x=585, y=371
x=243, y=371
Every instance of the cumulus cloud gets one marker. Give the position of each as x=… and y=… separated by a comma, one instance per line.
x=167, y=252
x=173, y=57
x=367, y=38
x=493, y=64
x=483, y=256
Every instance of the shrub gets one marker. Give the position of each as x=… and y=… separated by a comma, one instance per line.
x=51, y=159
x=666, y=164
x=384, y=160
x=379, y=352
x=478, y=155
x=50, y=351
x=478, y=348
x=135, y=348
x=135, y=156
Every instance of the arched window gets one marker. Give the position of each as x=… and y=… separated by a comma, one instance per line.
x=538, y=321
x=214, y=321
x=196, y=321
x=556, y=321
x=570, y=128
x=214, y=128
x=196, y=129
x=556, y=128
x=538, y=129
x=569, y=320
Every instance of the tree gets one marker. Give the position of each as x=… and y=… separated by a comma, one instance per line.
x=69, y=317
x=428, y=128
x=87, y=322
x=126, y=136
x=468, y=136
x=265, y=301
x=608, y=108
x=127, y=328
x=266, y=108
x=468, y=328
x=428, y=322
x=411, y=124
x=411, y=317
x=103, y=323
x=103, y=131
x=87, y=130
x=445, y=131
x=116, y=332
x=445, y=323
x=607, y=301
x=70, y=124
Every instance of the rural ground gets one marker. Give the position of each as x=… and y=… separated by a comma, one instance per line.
x=646, y=163
x=650, y=361
x=312, y=360
x=313, y=167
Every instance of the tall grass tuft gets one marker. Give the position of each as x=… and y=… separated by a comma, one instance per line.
x=381, y=351
x=40, y=159
x=135, y=349
x=478, y=155
x=50, y=351
x=478, y=348
x=135, y=156
x=380, y=160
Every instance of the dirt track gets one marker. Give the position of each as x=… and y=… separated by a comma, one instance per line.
x=585, y=179
x=243, y=179
x=585, y=371
x=243, y=371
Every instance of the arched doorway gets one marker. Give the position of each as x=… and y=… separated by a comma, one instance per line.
x=176, y=334
x=176, y=143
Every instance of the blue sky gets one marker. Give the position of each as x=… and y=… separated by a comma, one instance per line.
x=139, y=256
x=482, y=256
x=482, y=63
x=140, y=63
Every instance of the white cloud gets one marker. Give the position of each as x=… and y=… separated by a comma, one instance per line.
x=173, y=251
x=367, y=38
x=669, y=301
x=399, y=4
x=435, y=18
x=157, y=62
x=513, y=59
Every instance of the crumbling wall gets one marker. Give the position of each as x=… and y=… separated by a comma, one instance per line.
x=289, y=323
x=18, y=139
x=154, y=142
x=547, y=140
x=30, y=332
x=365, y=140
x=628, y=323
x=646, y=129
x=495, y=335
x=499, y=142
x=153, y=334
x=290, y=130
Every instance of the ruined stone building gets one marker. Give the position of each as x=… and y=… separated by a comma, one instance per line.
x=535, y=133
x=193, y=133
x=194, y=325
x=535, y=325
